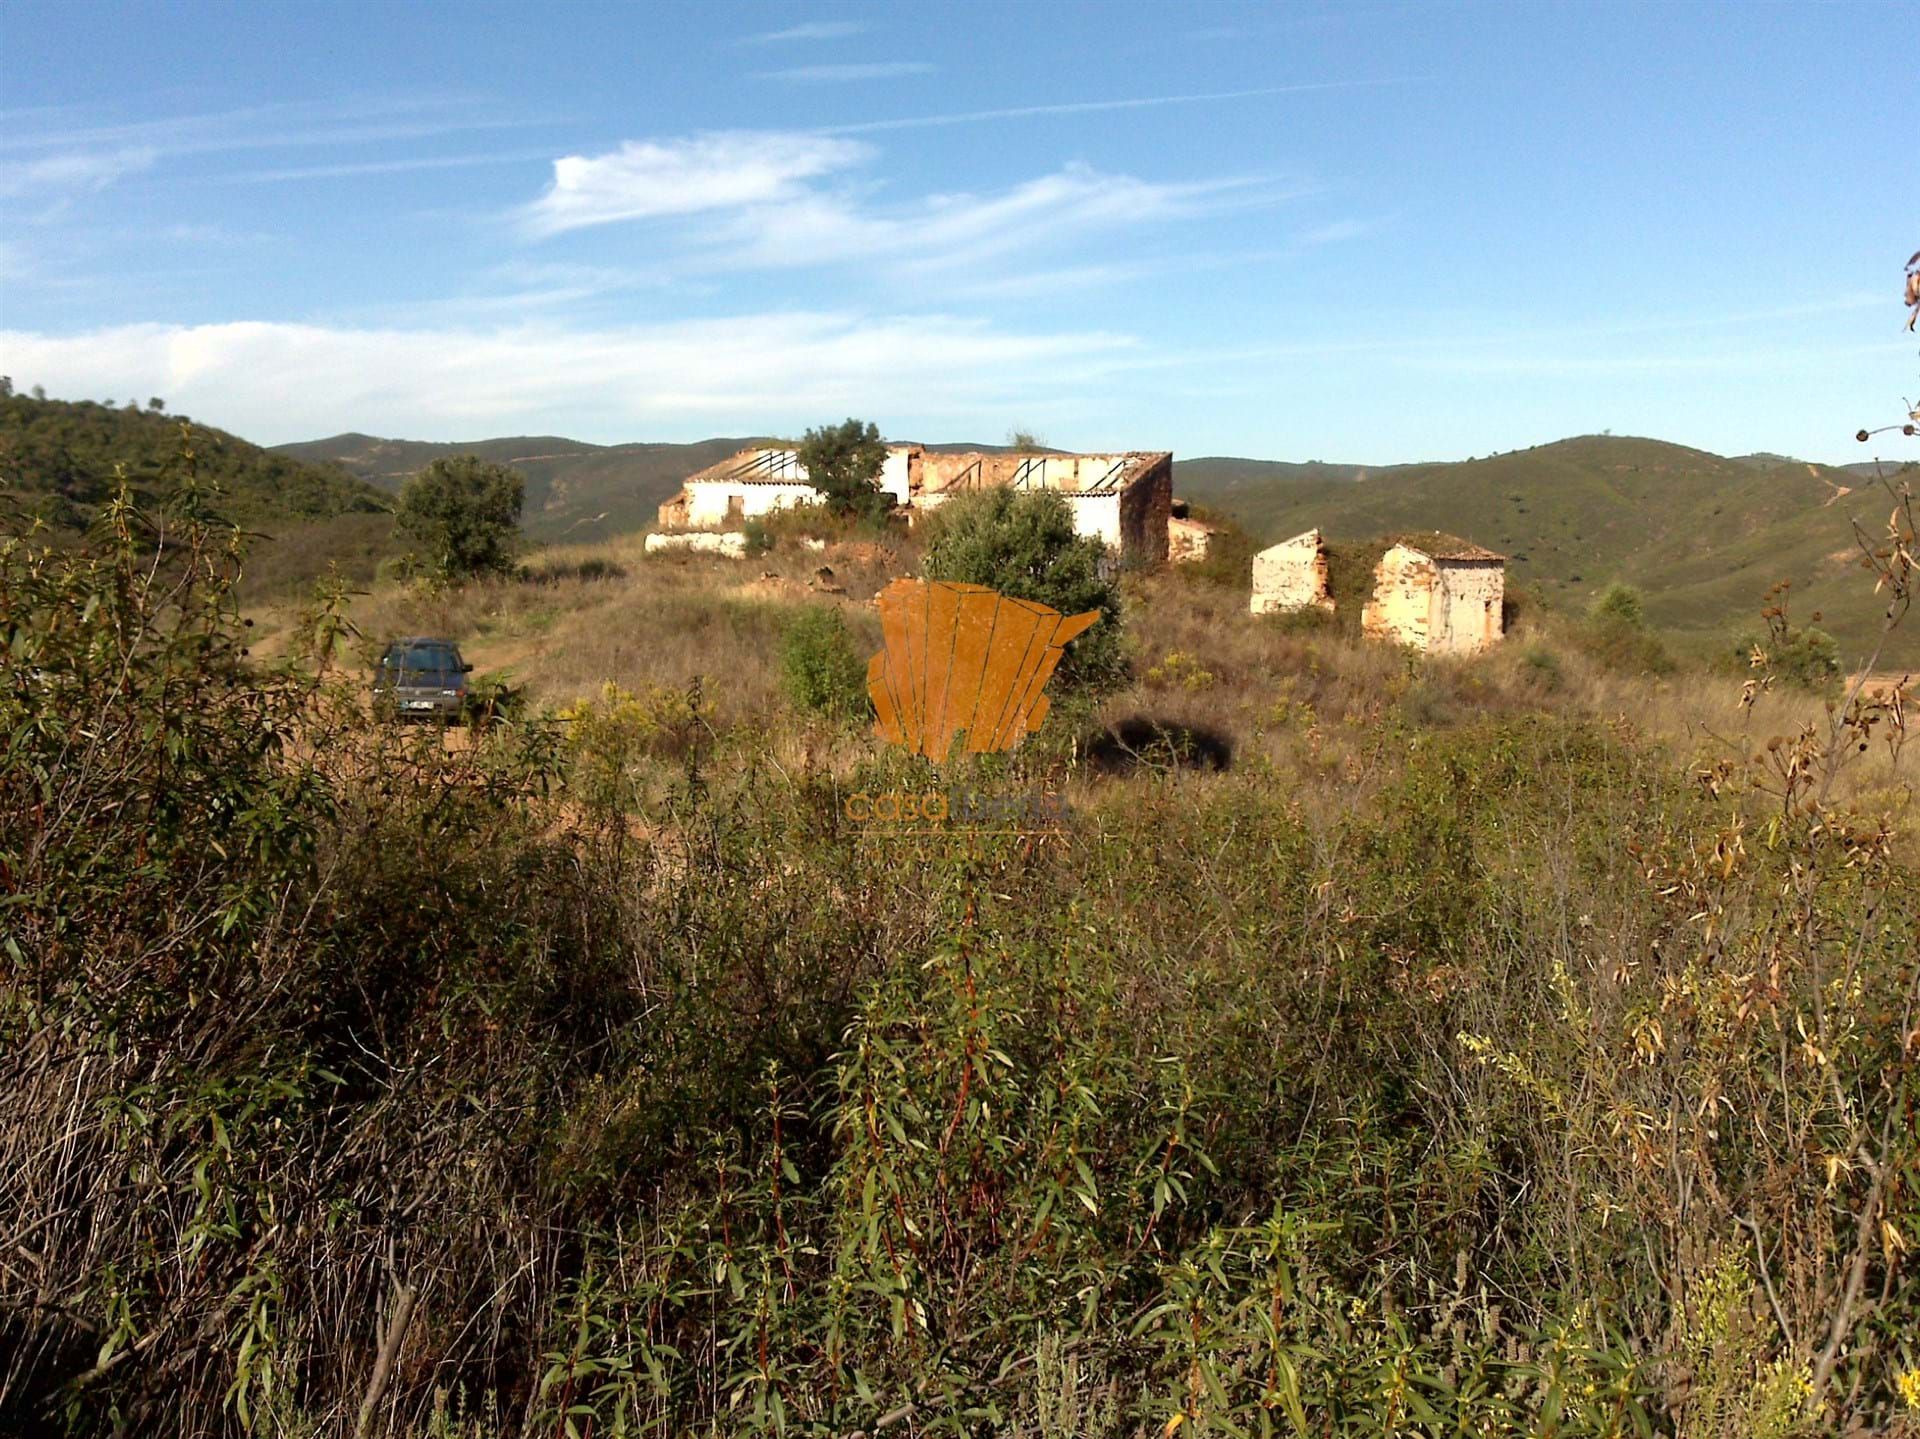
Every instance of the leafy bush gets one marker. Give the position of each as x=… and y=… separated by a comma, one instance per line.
x=819, y=667
x=1619, y=604
x=1542, y=665
x=462, y=517
x=1799, y=655
x=1022, y=543
x=1623, y=645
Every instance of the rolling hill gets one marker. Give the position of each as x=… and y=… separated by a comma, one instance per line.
x=1702, y=535
x=58, y=460
x=575, y=490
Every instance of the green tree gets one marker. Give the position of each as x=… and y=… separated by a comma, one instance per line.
x=461, y=516
x=843, y=462
x=1022, y=543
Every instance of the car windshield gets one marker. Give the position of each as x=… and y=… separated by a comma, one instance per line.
x=414, y=662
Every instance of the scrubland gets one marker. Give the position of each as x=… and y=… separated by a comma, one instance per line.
x=1377, y=1046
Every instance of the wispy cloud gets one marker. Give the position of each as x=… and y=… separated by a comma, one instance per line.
x=74, y=172
x=1094, y=107
x=833, y=74
x=276, y=382
x=811, y=30
x=263, y=127
x=766, y=201
x=382, y=167
x=948, y=231
x=647, y=179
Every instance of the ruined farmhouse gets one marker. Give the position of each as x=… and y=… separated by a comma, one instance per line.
x=1435, y=593
x=1123, y=499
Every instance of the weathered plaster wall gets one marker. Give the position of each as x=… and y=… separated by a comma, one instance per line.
x=1188, y=539
x=1442, y=607
x=731, y=544
x=1401, y=609
x=708, y=500
x=1467, y=610
x=1291, y=575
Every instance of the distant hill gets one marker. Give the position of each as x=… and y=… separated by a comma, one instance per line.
x=59, y=459
x=1213, y=478
x=575, y=490
x=1701, y=534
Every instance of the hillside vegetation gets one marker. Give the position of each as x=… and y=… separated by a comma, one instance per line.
x=59, y=458
x=1703, y=536
x=1360, y=1046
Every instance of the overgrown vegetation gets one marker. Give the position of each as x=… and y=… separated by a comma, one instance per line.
x=62, y=460
x=1022, y=543
x=1441, y=1068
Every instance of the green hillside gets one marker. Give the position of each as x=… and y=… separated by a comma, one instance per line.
x=59, y=460
x=1224, y=479
x=574, y=490
x=1702, y=535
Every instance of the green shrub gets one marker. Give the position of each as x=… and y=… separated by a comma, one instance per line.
x=1623, y=645
x=1799, y=655
x=492, y=697
x=1542, y=666
x=1022, y=543
x=1619, y=604
x=819, y=667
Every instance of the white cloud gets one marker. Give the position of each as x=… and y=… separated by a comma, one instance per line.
x=749, y=205
x=943, y=231
x=76, y=172
x=278, y=382
x=829, y=74
x=811, y=30
x=647, y=179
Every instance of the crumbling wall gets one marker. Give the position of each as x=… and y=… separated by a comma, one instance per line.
x=1467, y=616
x=718, y=502
x=1188, y=540
x=1146, y=505
x=1401, y=610
x=1291, y=575
x=1447, y=606
x=732, y=544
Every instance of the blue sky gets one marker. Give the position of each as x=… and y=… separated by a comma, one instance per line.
x=1347, y=232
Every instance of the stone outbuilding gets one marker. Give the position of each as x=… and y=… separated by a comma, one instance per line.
x=1292, y=575
x=1188, y=536
x=1440, y=595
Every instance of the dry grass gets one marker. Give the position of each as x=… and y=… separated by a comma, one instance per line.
x=1292, y=700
